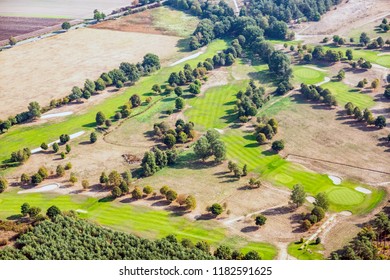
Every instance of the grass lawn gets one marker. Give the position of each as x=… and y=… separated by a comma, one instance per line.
x=175, y=21
x=345, y=94
x=19, y=137
x=307, y=75
x=142, y=221
x=312, y=251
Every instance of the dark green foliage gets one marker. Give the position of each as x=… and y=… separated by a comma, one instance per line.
x=93, y=137
x=136, y=193
x=67, y=238
x=34, y=110
x=100, y=118
x=169, y=140
x=280, y=64
x=380, y=122
x=319, y=212
x=260, y=220
x=250, y=101
x=3, y=184
x=36, y=179
x=131, y=71
x=64, y=138
x=317, y=93
x=116, y=192
x=124, y=187
x=223, y=253
x=135, y=100
x=322, y=201
x=179, y=103
x=298, y=195
x=25, y=209
x=56, y=148
x=53, y=211
x=216, y=209
x=278, y=145
x=148, y=164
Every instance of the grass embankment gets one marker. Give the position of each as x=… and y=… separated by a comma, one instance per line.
x=311, y=252
x=19, y=137
x=142, y=221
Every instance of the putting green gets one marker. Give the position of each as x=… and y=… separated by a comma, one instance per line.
x=383, y=60
x=345, y=196
x=307, y=75
x=283, y=178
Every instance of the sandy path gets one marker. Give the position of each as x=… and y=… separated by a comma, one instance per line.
x=326, y=79
x=46, y=188
x=72, y=136
x=195, y=55
x=50, y=116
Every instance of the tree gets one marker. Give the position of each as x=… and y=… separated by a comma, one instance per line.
x=12, y=41
x=298, y=195
x=364, y=39
x=100, y=118
x=135, y=100
x=319, y=212
x=171, y=195
x=100, y=84
x=279, y=63
x=65, y=25
x=322, y=201
x=68, y=166
x=380, y=122
x=245, y=170
x=44, y=146
x=24, y=179
x=202, y=148
x=116, y=192
x=136, y=193
x=56, y=148
x=76, y=94
x=3, y=184
x=219, y=150
x=64, y=138
x=375, y=84
x=164, y=190
x=43, y=172
x=223, y=253
x=73, y=179
x=131, y=71
x=114, y=178
x=216, y=209
x=25, y=209
x=103, y=178
x=68, y=148
x=36, y=179
x=179, y=103
x=260, y=138
x=148, y=164
x=34, y=110
x=151, y=62
x=93, y=137
x=190, y=202
x=278, y=145
x=85, y=184
x=252, y=255
x=260, y=220
x=147, y=190
x=34, y=211
x=98, y=15
x=169, y=140
x=349, y=54
x=341, y=75
x=53, y=211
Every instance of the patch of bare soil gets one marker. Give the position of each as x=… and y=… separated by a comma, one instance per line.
x=75, y=59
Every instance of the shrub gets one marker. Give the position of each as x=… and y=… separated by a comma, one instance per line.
x=260, y=220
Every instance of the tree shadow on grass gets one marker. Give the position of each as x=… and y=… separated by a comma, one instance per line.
x=15, y=217
x=184, y=45
x=90, y=125
x=249, y=229
x=107, y=199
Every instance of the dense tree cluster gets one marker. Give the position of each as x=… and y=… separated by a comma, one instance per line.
x=157, y=159
x=370, y=243
x=3, y=184
x=317, y=93
x=321, y=205
x=210, y=145
x=250, y=101
x=237, y=171
x=366, y=115
x=266, y=130
x=170, y=136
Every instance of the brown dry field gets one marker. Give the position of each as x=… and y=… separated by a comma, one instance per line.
x=351, y=13
x=49, y=68
x=59, y=8
x=139, y=22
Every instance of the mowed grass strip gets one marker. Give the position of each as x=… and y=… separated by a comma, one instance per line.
x=139, y=220
x=312, y=251
x=19, y=137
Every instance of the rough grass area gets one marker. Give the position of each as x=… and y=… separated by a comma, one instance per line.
x=32, y=136
x=143, y=221
x=312, y=251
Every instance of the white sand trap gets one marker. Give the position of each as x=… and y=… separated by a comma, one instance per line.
x=326, y=79
x=195, y=55
x=81, y=211
x=363, y=190
x=345, y=213
x=315, y=68
x=336, y=180
x=220, y=130
x=46, y=188
x=382, y=54
x=310, y=199
x=72, y=136
x=50, y=116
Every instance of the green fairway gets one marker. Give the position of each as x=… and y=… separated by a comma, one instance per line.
x=304, y=74
x=311, y=252
x=142, y=221
x=19, y=137
x=345, y=94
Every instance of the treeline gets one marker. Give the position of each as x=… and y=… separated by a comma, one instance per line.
x=371, y=243
x=250, y=101
x=70, y=238
x=317, y=93
x=126, y=72
x=366, y=115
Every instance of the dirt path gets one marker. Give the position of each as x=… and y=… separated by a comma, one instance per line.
x=283, y=253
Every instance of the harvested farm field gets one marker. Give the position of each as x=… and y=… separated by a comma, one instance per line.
x=57, y=8
x=15, y=26
x=61, y=62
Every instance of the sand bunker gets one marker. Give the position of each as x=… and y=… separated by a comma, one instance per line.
x=345, y=213
x=81, y=211
x=50, y=116
x=46, y=188
x=326, y=79
x=336, y=180
x=219, y=130
x=310, y=199
x=363, y=190
x=195, y=55
x=315, y=68
x=72, y=136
